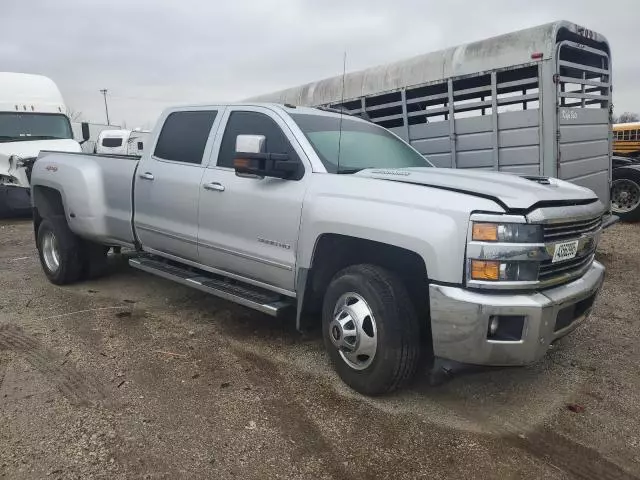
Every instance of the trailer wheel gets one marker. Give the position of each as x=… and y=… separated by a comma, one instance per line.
x=625, y=194
x=59, y=251
x=371, y=329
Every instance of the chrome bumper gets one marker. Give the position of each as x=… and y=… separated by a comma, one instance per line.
x=460, y=320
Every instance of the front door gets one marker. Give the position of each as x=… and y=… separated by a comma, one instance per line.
x=249, y=226
x=167, y=186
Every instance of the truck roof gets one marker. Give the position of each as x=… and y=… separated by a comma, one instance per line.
x=502, y=51
x=26, y=92
x=288, y=108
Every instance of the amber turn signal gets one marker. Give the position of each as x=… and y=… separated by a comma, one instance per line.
x=485, y=270
x=486, y=232
x=241, y=163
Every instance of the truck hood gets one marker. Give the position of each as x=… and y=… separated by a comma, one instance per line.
x=514, y=192
x=28, y=149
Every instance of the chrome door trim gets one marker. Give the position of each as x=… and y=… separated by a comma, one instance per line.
x=246, y=256
x=165, y=233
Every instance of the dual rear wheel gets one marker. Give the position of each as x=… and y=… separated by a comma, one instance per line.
x=65, y=257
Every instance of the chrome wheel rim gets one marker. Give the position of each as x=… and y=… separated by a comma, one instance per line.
x=353, y=331
x=625, y=195
x=50, y=252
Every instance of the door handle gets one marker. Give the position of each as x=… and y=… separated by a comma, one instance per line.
x=218, y=187
x=146, y=176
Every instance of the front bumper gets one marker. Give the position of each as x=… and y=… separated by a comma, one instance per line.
x=460, y=320
x=14, y=200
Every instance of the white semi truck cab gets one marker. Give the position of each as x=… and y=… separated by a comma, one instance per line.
x=32, y=118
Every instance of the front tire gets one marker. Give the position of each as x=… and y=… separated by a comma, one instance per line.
x=370, y=329
x=59, y=251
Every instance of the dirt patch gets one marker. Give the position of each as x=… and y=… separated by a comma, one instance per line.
x=131, y=376
x=76, y=387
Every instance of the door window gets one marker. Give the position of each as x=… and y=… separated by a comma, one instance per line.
x=184, y=136
x=253, y=123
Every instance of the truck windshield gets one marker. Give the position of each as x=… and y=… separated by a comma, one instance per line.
x=23, y=126
x=362, y=144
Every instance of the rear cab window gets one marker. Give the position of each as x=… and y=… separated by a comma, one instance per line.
x=184, y=136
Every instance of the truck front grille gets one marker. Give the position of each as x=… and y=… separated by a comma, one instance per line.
x=556, y=232
x=567, y=268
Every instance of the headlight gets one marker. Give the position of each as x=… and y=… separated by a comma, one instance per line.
x=506, y=232
x=508, y=252
x=494, y=270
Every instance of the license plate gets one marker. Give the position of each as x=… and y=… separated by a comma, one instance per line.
x=565, y=251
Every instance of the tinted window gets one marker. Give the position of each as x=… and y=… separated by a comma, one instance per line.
x=252, y=123
x=184, y=136
x=111, y=142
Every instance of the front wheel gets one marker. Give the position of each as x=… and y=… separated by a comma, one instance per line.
x=370, y=329
x=625, y=194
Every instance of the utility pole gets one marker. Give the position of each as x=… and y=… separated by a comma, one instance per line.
x=106, y=108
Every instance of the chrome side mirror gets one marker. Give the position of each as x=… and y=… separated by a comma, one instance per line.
x=250, y=143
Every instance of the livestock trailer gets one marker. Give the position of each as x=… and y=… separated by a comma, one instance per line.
x=534, y=102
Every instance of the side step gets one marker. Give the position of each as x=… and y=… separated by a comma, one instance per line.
x=249, y=296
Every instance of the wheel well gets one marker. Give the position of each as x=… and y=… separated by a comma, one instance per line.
x=334, y=252
x=47, y=202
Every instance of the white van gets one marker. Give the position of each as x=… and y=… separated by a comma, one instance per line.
x=122, y=142
x=32, y=118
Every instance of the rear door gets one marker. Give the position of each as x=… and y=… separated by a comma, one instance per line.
x=584, y=117
x=167, y=186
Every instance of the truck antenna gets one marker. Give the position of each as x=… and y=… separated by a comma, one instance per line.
x=344, y=70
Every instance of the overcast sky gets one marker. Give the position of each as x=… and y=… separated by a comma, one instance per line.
x=151, y=54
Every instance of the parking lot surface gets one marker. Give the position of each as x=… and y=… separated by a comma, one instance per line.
x=132, y=376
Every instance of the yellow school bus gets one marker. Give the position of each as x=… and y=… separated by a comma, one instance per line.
x=626, y=139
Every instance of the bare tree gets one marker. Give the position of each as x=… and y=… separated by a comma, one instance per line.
x=626, y=117
x=74, y=115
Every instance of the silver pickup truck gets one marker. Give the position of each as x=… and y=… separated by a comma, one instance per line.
x=305, y=210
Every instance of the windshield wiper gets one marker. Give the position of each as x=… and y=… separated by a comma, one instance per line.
x=348, y=171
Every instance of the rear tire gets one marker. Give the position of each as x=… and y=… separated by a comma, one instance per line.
x=94, y=260
x=370, y=329
x=59, y=250
x=625, y=194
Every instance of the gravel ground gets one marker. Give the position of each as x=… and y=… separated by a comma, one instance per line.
x=132, y=376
